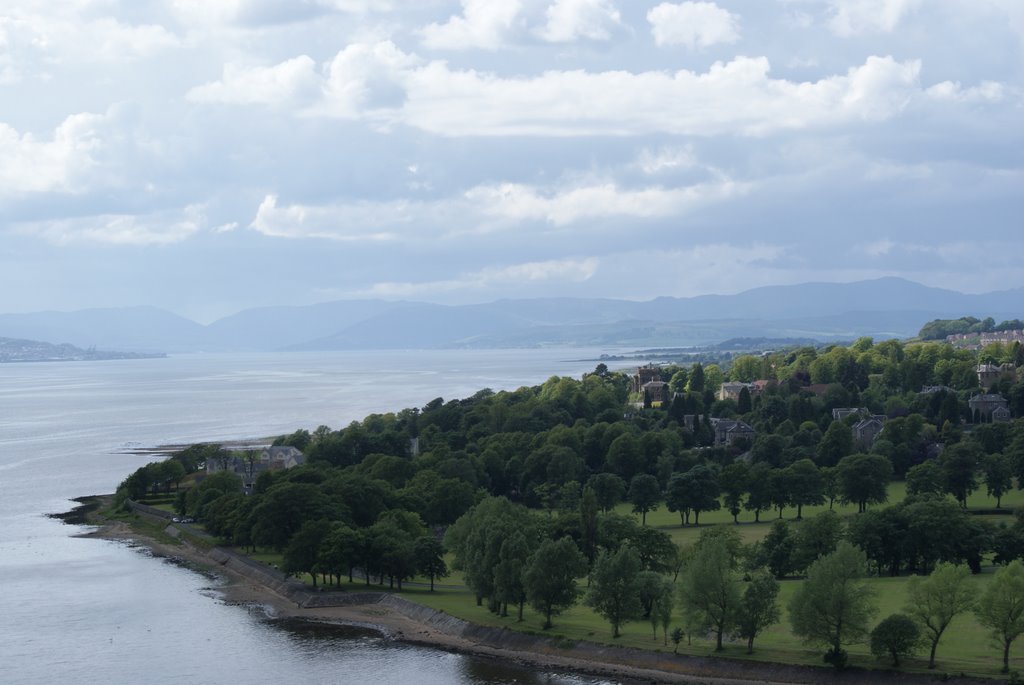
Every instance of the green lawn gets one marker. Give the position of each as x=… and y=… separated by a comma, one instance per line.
x=966, y=648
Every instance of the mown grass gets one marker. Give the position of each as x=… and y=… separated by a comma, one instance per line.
x=965, y=648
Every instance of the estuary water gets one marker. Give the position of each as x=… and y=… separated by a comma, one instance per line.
x=91, y=611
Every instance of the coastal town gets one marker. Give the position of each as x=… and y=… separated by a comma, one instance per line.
x=891, y=460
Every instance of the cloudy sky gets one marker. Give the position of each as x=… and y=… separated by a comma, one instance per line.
x=210, y=155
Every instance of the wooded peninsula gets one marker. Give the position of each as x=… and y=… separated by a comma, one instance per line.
x=853, y=504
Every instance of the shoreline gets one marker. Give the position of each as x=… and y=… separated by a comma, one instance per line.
x=389, y=616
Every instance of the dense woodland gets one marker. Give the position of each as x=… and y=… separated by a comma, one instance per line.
x=522, y=492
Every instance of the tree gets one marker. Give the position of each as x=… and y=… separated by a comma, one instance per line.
x=833, y=607
x=936, y=600
x=509, y=573
x=589, y=525
x=476, y=539
x=430, y=558
x=805, y=485
x=759, y=490
x=1001, y=607
x=338, y=551
x=696, y=384
x=817, y=537
x=743, y=403
x=609, y=490
x=302, y=554
x=661, y=609
x=644, y=494
x=998, y=476
x=758, y=608
x=897, y=635
x=959, y=464
x=677, y=637
x=733, y=481
x=550, y=578
x=835, y=444
x=864, y=479
x=925, y=479
x=696, y=490
x=710, y=589
x=614, y=590
x=776, y=550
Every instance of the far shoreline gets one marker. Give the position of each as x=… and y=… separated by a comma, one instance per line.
x=376, y=611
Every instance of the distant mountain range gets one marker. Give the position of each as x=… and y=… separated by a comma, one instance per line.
x=882, y=308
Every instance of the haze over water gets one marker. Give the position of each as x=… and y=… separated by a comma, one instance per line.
x=92, y=611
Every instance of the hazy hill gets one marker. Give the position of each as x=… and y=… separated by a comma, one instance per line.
x=134, y=329
x=887, y=307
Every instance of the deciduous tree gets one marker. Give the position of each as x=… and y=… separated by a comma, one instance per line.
x=936, y=600
x=897, y=635
x=834, y=606
x=758, y=608
x=550, y=578
x=1001, y=607
x=614, y=590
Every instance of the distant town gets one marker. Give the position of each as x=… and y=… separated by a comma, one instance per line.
x=14, y=350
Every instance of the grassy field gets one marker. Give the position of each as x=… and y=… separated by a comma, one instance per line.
x=966, y=647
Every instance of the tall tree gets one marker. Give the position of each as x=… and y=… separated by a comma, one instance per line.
x=614, y=590
x=710, y=588
x=959, y=464
x=758, y=608
x=733, y=481
x=302, y=553
x=1001, y=607
x=835, y=444
x=834, y=606
x=998, y=476
x=509, y=573
x=864, y=479
x=550, y=578
x=608, y=488
x=430, y=558
x=759, y=490
x=644, y=494
x=589, y=534
x=694, y=491
x=805, y=485
x=936, y=600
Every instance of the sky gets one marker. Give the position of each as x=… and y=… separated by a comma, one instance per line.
x=206, y=156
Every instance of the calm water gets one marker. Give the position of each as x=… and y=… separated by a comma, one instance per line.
x=90, y=611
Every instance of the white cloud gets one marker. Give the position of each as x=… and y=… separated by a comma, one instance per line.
x=359, y=221
x=381, y=84
x=484, y=24
x=693, y=24
x=666, y=159
x=571, y=270
x=159, y=228
x=256, y=14
x=62, y=163
x=32, y=40
x=285, y=83
x=987, y=91
x=562, y=207
x=569, y=20
x=485, y=209
x=855, y=17
x=364, y=78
